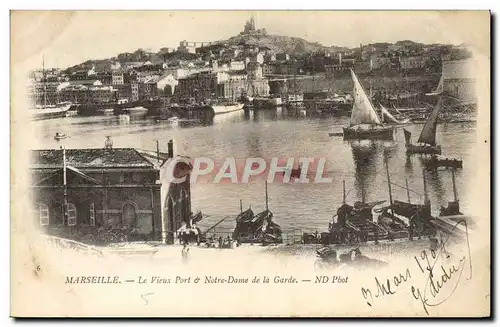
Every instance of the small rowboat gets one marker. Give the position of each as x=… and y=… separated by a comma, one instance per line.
x=60, y=136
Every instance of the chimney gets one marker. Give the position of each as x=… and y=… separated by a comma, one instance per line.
x=170, y=149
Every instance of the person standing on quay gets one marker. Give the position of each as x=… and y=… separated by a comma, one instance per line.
x=185, y=253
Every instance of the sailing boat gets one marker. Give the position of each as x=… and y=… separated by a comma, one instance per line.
x=364, y=123
x=439, y=89
x=427, y=140
x=257, y=228
x=47, y=110
x=390, y=118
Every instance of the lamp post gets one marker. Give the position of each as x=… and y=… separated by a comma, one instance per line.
x=65, y=188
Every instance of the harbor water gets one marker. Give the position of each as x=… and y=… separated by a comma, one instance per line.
x=283, y=133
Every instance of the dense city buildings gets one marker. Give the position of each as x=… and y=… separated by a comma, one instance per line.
x=242, y=65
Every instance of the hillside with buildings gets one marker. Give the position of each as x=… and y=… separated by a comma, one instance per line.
x=252, y=63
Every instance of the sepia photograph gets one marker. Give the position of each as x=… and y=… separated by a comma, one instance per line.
x=250, y=163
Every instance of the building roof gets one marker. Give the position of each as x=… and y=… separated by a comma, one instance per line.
x=90, y=158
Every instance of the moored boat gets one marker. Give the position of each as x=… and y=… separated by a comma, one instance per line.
x=437, y=161
x=257, y=228
x=227, y=107
x=270, y=102
x=426, y=143
x=439, y=89
x=388, y=118
x=364, y=122
x=60, y=136
x=49, y=111
x=106, y=111
x=136, y=111
x=71, y=113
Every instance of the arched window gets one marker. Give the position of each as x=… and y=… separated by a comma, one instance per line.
x=129, y=216
x=42, y=213
x=71, y=214
x=170, y=215
x=183, y=206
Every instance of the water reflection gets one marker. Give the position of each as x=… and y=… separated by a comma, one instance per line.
x=280, y=132
x=364, y=154
x=230, y=117
x=433, y=178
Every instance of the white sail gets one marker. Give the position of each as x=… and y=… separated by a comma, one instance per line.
x=439, y=89
x=362, y=110
x=386, y=113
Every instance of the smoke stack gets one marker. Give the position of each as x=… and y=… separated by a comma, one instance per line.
x=170, y=149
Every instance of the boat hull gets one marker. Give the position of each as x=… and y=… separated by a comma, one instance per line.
x=437, y=162
x=419, y=149
x=39, y=114
x=221, y=109
x=379, y=133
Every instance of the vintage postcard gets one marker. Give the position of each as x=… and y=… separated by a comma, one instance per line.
x=250, y=164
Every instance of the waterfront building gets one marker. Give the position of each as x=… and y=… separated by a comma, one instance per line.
x=269, y=58
x=177, y=72
x=282, y=56
x=259, y=57
x=78, y=76
x=117, y=77
x=89, y=91
x=412, y=62
x=378, y=61
x=41, y=93
x=270, y=68
x=147, y=89
x=167, y=84
x=134, y=91
x=113, y=187
x=287, y=68
x=459, y=80
x=201, y=86
x=175, y=196
x=258, y=87
x=236, y=65
x=254, y=70
x=105, y=78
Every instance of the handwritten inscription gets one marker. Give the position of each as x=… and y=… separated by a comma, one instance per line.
x=387, y=287
x=442, y=274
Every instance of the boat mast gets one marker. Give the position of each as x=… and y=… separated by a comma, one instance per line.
x=65, y=185
x=43, y=82
x=455, y=196
x=426, y=196
x=343, y=191
x=267, y=199
x=157, y=150
x=389, y=185
x=371, y=96
x=408, y=191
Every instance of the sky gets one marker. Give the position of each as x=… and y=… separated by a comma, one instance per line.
x=66, y=38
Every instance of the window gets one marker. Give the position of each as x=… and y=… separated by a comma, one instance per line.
x=42, y=212
x=92, y=214
x=129, y=217
x=71, y=209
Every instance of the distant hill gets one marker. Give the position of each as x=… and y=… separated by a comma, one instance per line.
x=277, y=43
x=294, y=46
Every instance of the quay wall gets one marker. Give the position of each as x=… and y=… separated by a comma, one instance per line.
x=425, y=83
